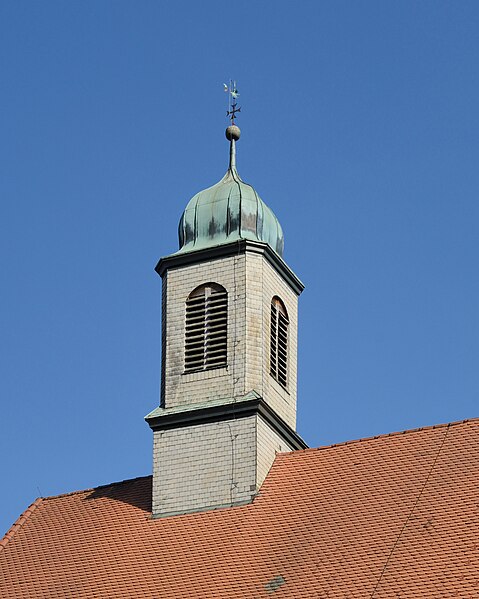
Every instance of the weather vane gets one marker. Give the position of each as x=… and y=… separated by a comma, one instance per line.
x=233, y=94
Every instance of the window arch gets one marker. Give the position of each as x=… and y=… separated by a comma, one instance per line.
x=206, y=328
x=279, y=342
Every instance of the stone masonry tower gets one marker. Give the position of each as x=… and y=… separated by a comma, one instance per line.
x=229, y=346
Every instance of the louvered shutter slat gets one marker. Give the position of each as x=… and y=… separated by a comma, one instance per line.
x=206, y=329
x=279, y=342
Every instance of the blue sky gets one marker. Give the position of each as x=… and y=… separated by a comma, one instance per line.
x=359, y=129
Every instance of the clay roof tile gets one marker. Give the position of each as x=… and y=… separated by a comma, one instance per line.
x=389, y=516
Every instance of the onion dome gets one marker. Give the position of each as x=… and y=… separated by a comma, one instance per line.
x=228, y=211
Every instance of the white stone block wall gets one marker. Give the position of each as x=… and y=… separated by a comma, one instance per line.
x=212, y=465
x=269, y=443
x=196, y=387
x=263, y=283
x=251, y=282
x=203, y=466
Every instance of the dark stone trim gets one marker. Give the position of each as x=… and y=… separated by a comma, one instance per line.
x=230, y=249
x=280, y=426
x=229, y=411
x=208, y=508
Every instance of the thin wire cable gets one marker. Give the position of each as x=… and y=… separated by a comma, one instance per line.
x=233, y=484
x=410, y=514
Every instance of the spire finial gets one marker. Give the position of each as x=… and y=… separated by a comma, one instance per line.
x=233, y=94
x=233, y=131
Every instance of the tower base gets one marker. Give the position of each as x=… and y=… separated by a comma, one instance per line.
x=215, y=454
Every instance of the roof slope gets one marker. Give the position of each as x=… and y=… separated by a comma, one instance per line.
x=394, y=516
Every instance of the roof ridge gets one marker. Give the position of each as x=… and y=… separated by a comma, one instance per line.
x=79, y=491
x=24, y=516
x=383, y=435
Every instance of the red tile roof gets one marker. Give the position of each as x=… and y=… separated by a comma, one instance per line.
x=394, y=516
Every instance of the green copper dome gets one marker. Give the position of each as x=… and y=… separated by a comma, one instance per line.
x=228, y=211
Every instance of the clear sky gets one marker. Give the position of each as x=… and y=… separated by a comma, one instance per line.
x=360, y=130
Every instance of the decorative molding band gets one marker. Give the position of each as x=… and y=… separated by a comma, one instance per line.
x=231, y=249
x=227, y=411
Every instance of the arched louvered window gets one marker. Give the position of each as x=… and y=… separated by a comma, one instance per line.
x=206, y=328
x=279, y=342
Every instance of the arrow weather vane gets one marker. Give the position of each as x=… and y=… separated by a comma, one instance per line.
x=233, y=94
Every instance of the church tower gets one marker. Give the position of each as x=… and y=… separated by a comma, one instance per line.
x=229, y=351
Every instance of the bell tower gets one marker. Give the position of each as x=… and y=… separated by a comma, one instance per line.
x=229, y=351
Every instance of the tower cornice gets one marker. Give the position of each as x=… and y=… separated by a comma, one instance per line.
x=231, y=249
x=222, y=410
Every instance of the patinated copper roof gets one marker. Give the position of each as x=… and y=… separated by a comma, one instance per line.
x=394, y=516
x=228, y=211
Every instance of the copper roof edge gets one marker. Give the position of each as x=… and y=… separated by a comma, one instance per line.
x=381, y=436
x=20, y=522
